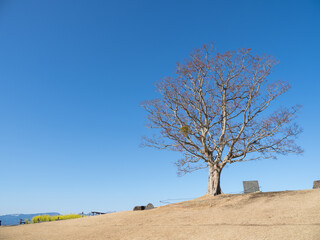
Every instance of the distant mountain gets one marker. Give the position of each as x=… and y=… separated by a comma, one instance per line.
x=13, y=219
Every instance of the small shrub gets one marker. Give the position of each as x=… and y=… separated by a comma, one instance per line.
x=36, y=219
x=55, y=218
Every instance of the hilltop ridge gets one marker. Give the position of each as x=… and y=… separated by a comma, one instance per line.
x=290, y=215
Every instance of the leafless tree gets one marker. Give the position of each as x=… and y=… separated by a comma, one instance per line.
x=213, y=111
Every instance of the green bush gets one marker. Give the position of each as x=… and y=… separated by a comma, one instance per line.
x=48, y=218
x=36, y=219
x=70, y=216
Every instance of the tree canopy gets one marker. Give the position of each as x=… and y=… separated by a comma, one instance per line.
x=216, y=111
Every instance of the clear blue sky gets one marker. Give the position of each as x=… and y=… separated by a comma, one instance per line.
x=73, y=75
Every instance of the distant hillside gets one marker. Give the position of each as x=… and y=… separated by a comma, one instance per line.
x=13, y=219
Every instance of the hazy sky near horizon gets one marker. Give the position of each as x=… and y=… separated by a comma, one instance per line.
x=73, y=75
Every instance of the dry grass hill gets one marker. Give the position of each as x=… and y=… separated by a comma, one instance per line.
x=289, y=215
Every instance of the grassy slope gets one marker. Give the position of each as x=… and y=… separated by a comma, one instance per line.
x=291, y=215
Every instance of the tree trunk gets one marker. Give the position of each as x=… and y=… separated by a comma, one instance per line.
x=214, y=180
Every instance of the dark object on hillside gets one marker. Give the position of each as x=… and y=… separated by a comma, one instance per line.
x=21, y=221
x=316, y=184
x=137, y=208
x=140, y=208
x=0, y=222
x=250, y=186
x=97, y=213
x=149, y=206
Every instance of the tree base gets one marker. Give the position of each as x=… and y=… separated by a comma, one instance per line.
x=212, y=193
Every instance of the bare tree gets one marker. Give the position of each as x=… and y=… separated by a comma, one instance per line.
x=213, y=111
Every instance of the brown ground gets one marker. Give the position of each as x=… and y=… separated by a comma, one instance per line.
x=290, y=215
